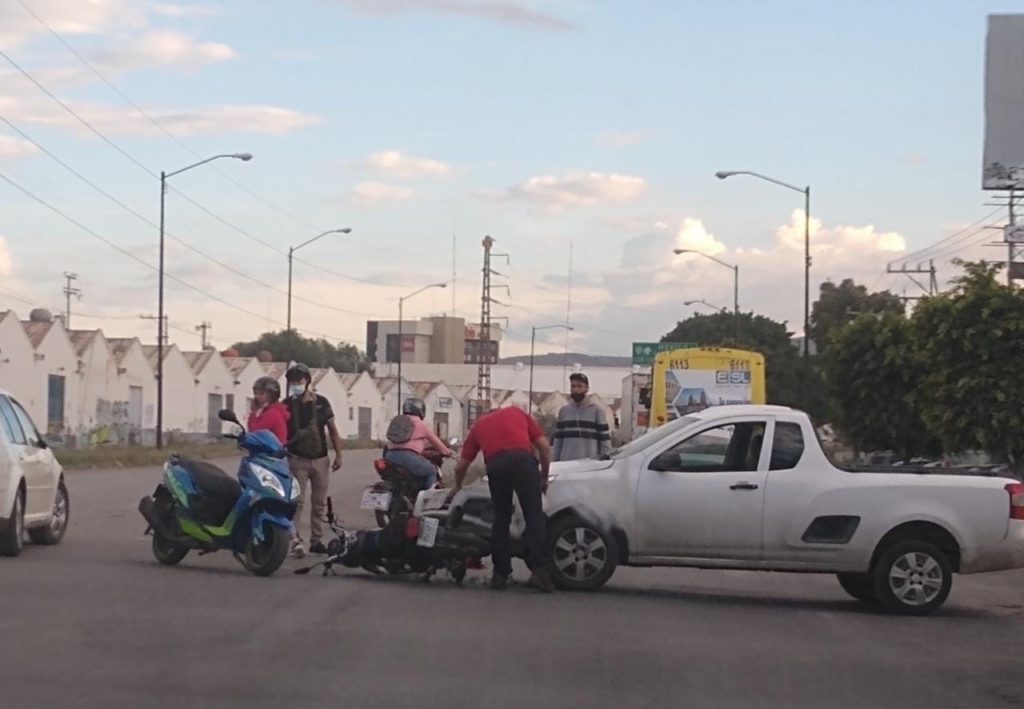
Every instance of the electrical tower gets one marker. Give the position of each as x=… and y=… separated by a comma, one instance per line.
x=69, y=291
x=933, y=282
x=483, y=372
x=203, y=328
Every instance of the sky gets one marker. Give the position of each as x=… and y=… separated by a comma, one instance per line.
x=582, y=135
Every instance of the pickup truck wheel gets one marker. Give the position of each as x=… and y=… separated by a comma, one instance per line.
x=581, y=556
x=12, y=536
x=860, y=586
x=912, y=578
x=54, y=531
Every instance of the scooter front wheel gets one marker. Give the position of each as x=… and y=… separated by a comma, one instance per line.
x=166, y=552
x=265, y=557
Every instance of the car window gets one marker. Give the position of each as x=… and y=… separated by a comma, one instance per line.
x=9, y=421
x=651, y=438
x=29, y=428
x=787, y=445
x=727, y=448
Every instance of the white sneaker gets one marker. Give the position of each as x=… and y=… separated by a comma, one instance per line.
x=298, y=549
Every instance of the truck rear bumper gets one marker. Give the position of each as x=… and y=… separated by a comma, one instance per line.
x=1007, y=554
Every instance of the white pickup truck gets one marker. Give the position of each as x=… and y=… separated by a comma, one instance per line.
x=749, y=487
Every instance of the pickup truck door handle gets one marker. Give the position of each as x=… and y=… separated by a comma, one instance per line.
x=743, y=486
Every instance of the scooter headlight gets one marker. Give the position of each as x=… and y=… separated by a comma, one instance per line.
x=296, y=490
x=267, y=479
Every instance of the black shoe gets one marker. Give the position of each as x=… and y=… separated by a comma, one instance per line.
x=499, y=583
x=317, y=547
x=541, y=581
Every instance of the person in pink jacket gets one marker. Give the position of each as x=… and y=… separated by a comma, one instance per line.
x=408, y=437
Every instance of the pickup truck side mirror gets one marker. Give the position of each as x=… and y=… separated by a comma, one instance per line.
x=665, y=463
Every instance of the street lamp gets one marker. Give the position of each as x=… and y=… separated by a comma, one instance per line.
x=533, y=343
x=401, y=303
x=735, y=281
x=291, y=254
x=704, y=302
x=160, y=287
x=723, y=174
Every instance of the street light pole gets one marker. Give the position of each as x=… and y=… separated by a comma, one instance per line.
x=161, y=333
x=533, y=343
x=806, y=191
x=735, y=282
x=401, y=305
x=291, y=257
x=707, y=304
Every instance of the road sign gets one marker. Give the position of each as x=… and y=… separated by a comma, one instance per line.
x=645, y=352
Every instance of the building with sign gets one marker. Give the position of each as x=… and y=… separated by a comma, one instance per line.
x=434, y=340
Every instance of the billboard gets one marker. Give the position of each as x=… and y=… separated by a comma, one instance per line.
x=1003, y=163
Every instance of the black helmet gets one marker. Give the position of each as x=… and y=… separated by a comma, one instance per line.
x=297, y=372
x=414, y=407
x=268, y=385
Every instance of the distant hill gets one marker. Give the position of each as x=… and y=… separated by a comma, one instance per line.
x=556, y=359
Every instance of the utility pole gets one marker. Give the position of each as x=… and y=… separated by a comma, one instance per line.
x=1015, y=249
x=203, y=328
x=161, y=332
x=933, y=281
x=483, y=372
x=69, y=291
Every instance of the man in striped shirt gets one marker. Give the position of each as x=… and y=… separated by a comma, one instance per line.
x=582, y=431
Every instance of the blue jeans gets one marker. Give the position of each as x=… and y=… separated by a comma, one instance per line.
x=414, y=464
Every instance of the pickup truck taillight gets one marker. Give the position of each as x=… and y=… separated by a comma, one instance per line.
x=1016, y=491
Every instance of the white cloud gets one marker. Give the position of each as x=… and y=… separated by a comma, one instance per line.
x=585, y=189
x=377, y=193
x=13, y=148
x=504, y=11
x=181, y=12
x=84, y=17
x=164, y=48
x=6, y=261
x=399, y=165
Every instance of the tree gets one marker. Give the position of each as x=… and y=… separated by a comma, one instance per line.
x=970, y=340
x=284, y=347
x=873, y=375
x=757, y=333
x=839, y=305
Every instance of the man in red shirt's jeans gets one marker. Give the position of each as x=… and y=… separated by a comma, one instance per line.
x=508, y=438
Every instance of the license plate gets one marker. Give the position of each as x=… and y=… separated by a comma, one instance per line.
x=428, y=532
x=374, y=500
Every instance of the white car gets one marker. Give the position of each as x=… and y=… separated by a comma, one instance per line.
x=32, y=491
x=749, y=487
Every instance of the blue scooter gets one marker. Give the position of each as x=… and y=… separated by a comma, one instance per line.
x=199, y=506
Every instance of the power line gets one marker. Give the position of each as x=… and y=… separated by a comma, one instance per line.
x=147, y=221
x=137, y=259
x=924, y=253
x=181, y=194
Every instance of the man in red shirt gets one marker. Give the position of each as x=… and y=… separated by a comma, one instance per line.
x=509, y=438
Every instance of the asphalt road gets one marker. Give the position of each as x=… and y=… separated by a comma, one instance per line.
x=96, y=622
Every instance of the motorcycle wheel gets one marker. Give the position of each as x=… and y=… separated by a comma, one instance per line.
x=382, y=518
x=166, y=552
x=264, y=558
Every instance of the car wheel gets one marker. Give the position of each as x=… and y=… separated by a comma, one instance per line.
x=912, y=578
x=581, y=555
x=54, y=531
x=860, y=586
x=12, y=536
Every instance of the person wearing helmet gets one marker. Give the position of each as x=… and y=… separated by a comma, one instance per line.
x=310, y=427
x=408, y=437
x=268, y=413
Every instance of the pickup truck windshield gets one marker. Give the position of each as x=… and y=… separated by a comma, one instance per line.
x=650, y=438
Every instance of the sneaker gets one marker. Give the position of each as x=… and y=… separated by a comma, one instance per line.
x=317, y=547
x=499, y=583
x=298, y=548
x=541, y=581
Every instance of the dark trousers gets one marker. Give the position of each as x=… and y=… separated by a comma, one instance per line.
x=518, y=472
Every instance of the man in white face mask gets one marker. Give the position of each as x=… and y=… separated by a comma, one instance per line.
x=310, y=426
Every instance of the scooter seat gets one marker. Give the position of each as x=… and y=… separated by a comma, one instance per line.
x=211, y=480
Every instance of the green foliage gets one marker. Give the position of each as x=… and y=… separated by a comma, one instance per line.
x=284, y=346
x=837, y=306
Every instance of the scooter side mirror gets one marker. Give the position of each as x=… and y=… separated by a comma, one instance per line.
x=454, y=442
x=228, y=415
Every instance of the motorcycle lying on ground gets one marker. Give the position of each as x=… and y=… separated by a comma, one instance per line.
x=383, y=490
x=407, y=544
x=199, y=506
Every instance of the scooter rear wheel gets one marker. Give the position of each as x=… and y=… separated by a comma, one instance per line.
x=264, y=558
x=167, y=552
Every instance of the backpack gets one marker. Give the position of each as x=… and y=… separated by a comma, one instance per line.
x=401, y=429
x=306, y=441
